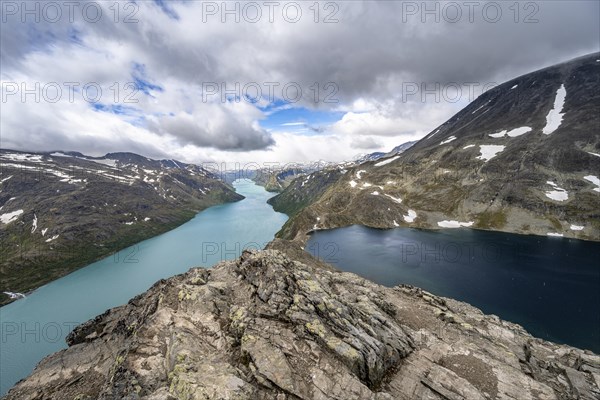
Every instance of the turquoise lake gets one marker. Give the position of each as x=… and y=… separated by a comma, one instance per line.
x=36, y=326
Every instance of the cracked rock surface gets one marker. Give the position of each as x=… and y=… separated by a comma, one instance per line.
x=267, y=327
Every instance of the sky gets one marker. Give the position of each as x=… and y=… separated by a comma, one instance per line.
x=264, y=82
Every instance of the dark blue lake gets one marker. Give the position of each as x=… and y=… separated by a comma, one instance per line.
x=550, y=286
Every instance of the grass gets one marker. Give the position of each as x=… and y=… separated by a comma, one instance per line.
x=491, y=220
x=555, y=223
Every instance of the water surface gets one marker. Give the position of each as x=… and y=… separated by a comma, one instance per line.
x=36, y=326
x=551, y=286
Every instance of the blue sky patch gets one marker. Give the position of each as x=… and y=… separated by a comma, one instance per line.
x=116, y=109
x=166, y=8
x=141, y=81
x=299, y=120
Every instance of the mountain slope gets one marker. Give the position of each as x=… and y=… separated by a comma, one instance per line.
x=524, y=157
x=305, y=190
x=267, y=327
x=277, y=179
x=60, y=211
x=377, y=155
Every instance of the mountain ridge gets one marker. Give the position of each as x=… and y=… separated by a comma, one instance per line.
x=494, y=165
x=61, y=211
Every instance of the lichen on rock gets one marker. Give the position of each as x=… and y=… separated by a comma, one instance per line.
x=267, y=327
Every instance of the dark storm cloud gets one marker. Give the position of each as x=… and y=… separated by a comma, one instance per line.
x=223, y=133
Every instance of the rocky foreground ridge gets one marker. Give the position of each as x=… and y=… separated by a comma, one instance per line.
x=267, y=327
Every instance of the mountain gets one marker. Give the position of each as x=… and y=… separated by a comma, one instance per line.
x=377, y=155
x=276, y=179
x=266, y=327
x=523, y=157
x=401, y=148
x=370, y=157
x=305, y=190
x=62, y=210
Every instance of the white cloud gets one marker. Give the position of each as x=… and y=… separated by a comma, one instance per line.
x=405, y=120
x=366, y=143
x=369, y=54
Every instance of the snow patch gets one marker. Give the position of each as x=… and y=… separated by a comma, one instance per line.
x=52, y=238
x=519, y=131
x=146, y=219
x=558, y=194
x=512, y=133
x=395, y=199
x=60, y=155
x=379, y=164
x=577, y=227
x=514, y=87
x=450, y=139
x=589, y=152
x=594, y=180
x=555, y=116
x=454, y=224
x=14, y=295
x=22, y=157
x=395, y=223
x=489, y=151
x=410, y=217
x=375, y=193
x=554, y=234
x=7, y=178
x=359, y=173
x=107, y=162
x=498, y=135
x=34, y=227
x=481, y=107
x=468, y=146
x=10, y=217
x=44, y=231
x=353, y=184
x=433, y=134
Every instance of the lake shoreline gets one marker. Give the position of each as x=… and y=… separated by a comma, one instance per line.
x=213, y=235
x=538, y=282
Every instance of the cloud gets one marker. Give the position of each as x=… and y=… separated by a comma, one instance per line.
x=362, y=64
x=365, y=143
x=215, y=126
x=404, y=120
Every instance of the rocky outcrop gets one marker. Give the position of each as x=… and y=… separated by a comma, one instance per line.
x=267, y=327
